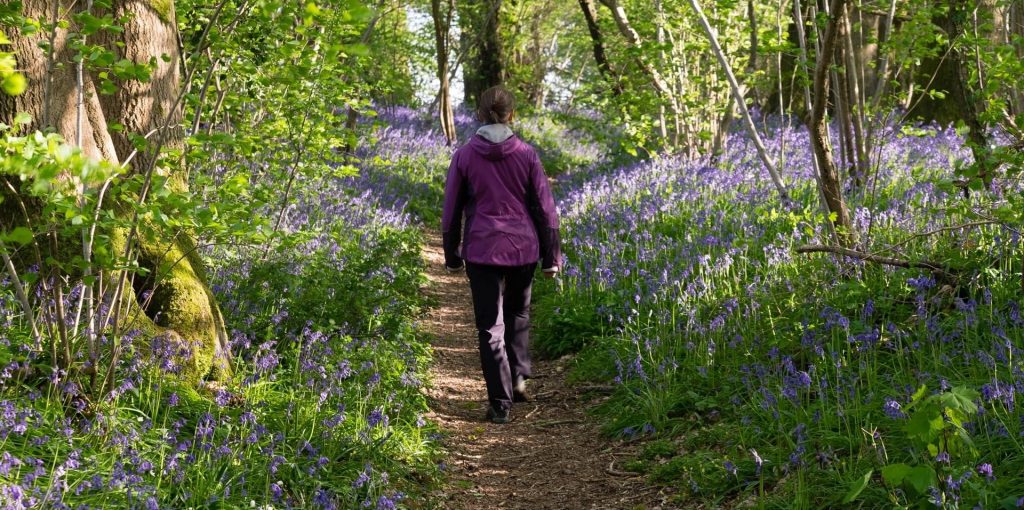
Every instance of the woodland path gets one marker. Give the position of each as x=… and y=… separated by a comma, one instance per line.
x=551, y=455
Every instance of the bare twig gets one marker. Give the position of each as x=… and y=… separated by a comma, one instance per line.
x=531, y=413
x=552, y=423
x=615, y=472
x=940, y=230
x=604, y=390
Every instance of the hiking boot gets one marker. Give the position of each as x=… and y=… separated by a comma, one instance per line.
x=519, y=393
x=497, y=415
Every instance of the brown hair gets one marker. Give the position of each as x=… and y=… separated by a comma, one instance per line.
x=496, y=105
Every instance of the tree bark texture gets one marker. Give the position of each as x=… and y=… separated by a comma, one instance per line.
x=831, y=186
x=181, y=298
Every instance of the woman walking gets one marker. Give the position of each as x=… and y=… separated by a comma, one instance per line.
x=497, y=182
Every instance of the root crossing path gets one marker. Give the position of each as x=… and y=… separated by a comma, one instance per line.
x=550, y=456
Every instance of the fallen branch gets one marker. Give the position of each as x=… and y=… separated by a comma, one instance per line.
x=941, y=269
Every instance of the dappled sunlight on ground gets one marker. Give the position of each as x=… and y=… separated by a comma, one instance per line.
x=550, y=456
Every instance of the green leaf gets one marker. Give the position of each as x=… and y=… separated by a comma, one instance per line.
x=858, y=486
x=20, y=235
x=358, y=50
x=893, y=474
x=920, y=478
x=15, y=84
x=22, y=119
x=920, y=425
x=1009, y=503
x=962, y=398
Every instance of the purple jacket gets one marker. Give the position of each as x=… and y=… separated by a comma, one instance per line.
x=510, y=215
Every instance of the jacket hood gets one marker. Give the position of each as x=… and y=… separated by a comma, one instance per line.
x=495, y=133
x=494, y=142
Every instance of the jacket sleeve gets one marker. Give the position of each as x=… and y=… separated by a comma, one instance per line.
x=451, y=217
x=545, y=217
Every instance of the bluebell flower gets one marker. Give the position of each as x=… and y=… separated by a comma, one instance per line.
x=385, y=502
x=363, y=478
x=377, y=417
x=893, y=409
x=986, y=470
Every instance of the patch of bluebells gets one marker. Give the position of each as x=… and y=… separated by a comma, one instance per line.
x=325, y=397
x=690, y=267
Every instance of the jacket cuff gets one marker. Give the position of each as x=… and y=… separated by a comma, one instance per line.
x=450, y=241
x=550, y=247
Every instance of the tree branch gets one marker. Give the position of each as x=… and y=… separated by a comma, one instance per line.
x=943, y=270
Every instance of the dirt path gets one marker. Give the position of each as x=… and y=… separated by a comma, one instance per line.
x=549, y=457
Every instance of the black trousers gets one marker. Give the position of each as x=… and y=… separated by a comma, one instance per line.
x=501, y=303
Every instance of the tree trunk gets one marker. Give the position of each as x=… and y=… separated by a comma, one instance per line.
x=536, y=89
x=882, y=75
x=798, y=20
x=660, y=39
x=855, y=103
x=718, y=143
x=182, y=300
x=752, y=57
x=1014, y=29
x=590, y=15
x=484, y=67
x=962, y=98
x=442, y=36
x=831, y=186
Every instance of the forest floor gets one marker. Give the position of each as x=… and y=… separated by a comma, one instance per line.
x=550, y=456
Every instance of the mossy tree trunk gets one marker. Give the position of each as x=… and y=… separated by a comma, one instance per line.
x=59, y=100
